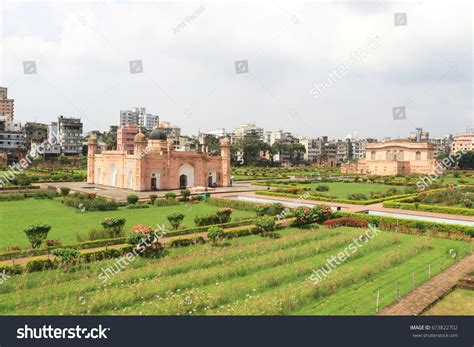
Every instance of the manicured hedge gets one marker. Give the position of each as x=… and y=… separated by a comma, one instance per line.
x=237, y=204
x=79, y=245
x=321, y=198
x=205, y=228
x=186, y=241
x=429, y=208
x=422, y=225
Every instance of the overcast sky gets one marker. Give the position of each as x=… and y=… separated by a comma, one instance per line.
x=188, y=51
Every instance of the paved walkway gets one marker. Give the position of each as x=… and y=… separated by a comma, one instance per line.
x=415, y=302
x=354, y=208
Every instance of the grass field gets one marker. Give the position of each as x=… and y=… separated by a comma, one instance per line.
x=341, y=189
x=460, y=302
x=66, y=221
x=249, y=275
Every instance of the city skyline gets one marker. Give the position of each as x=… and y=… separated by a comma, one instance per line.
x=85, y=69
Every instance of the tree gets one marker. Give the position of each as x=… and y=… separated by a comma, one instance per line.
x=36, y=234
x=175, y=219
x=215, y=234
x=66, y=256
x=266, y=224
x=63, y=160
x=466, y=162
x=185, y=193
x=132, y=199
x=114, y=226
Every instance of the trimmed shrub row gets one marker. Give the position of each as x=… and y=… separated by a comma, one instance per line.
x=79, y=245
x=429, y=208
x=345, y=201
x=423, y=226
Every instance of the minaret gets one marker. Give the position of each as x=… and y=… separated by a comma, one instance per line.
x=225, y=162
x=91, y=152
x=140, y=144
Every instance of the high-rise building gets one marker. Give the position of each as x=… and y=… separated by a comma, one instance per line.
x=126, y=136
x=35, y=133
x=69, y=135
x=249, y=130
x=311, y=151
x=6, y=105
x=463, y=142
x=170, y=130
x=138, y=116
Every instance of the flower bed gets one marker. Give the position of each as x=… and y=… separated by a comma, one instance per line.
x=347, y=222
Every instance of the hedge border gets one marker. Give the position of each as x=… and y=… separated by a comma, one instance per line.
x=423, y=225
x=344, y=201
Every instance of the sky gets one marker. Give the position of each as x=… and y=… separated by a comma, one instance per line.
x=313, y=68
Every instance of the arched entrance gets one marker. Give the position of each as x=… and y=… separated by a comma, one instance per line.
x=183, y=181
x=155, y=180
x=212, y=179
x=186, y=176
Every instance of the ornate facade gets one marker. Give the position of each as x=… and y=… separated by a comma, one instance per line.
x=156, y=165
x=394, y=157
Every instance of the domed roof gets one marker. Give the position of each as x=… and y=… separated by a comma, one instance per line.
x=157, y=134
x=140, y=137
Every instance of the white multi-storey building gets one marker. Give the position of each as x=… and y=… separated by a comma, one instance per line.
x=138, y=116
x=246, y=131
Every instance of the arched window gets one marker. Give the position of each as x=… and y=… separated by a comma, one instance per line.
x=372, y=155
x=388, y=155
x=400, y=155
x=418, y=155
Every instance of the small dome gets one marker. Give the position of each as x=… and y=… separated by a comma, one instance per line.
x=157, y=134
x=140, y=137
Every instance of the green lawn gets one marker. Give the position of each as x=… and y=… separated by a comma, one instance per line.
x=460, y=302
x=341, y=189
x=66, y=221
x=249, y=275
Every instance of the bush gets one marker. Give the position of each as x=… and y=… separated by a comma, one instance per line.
x=266, y=224
x=170, y=195
x=175, y=219
x=12, y=197
x=215, y=234
x=11, y=269
x=346, y=221
x=136, y=207
x=305, y=215
x=186, y=241
x=64, y=191
x=66, y=256
x=206, y=220
x=270, y=210
x=224, y=214
x=36, y=234
x=141, y=233
x=185, y=193
x=166, y=202
x=322, y=188
x=235, y=204
x=42, y=194
x=39, y=265
x=114, y=226
x=89, y=202
x=153, y=198
x=132, y=199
